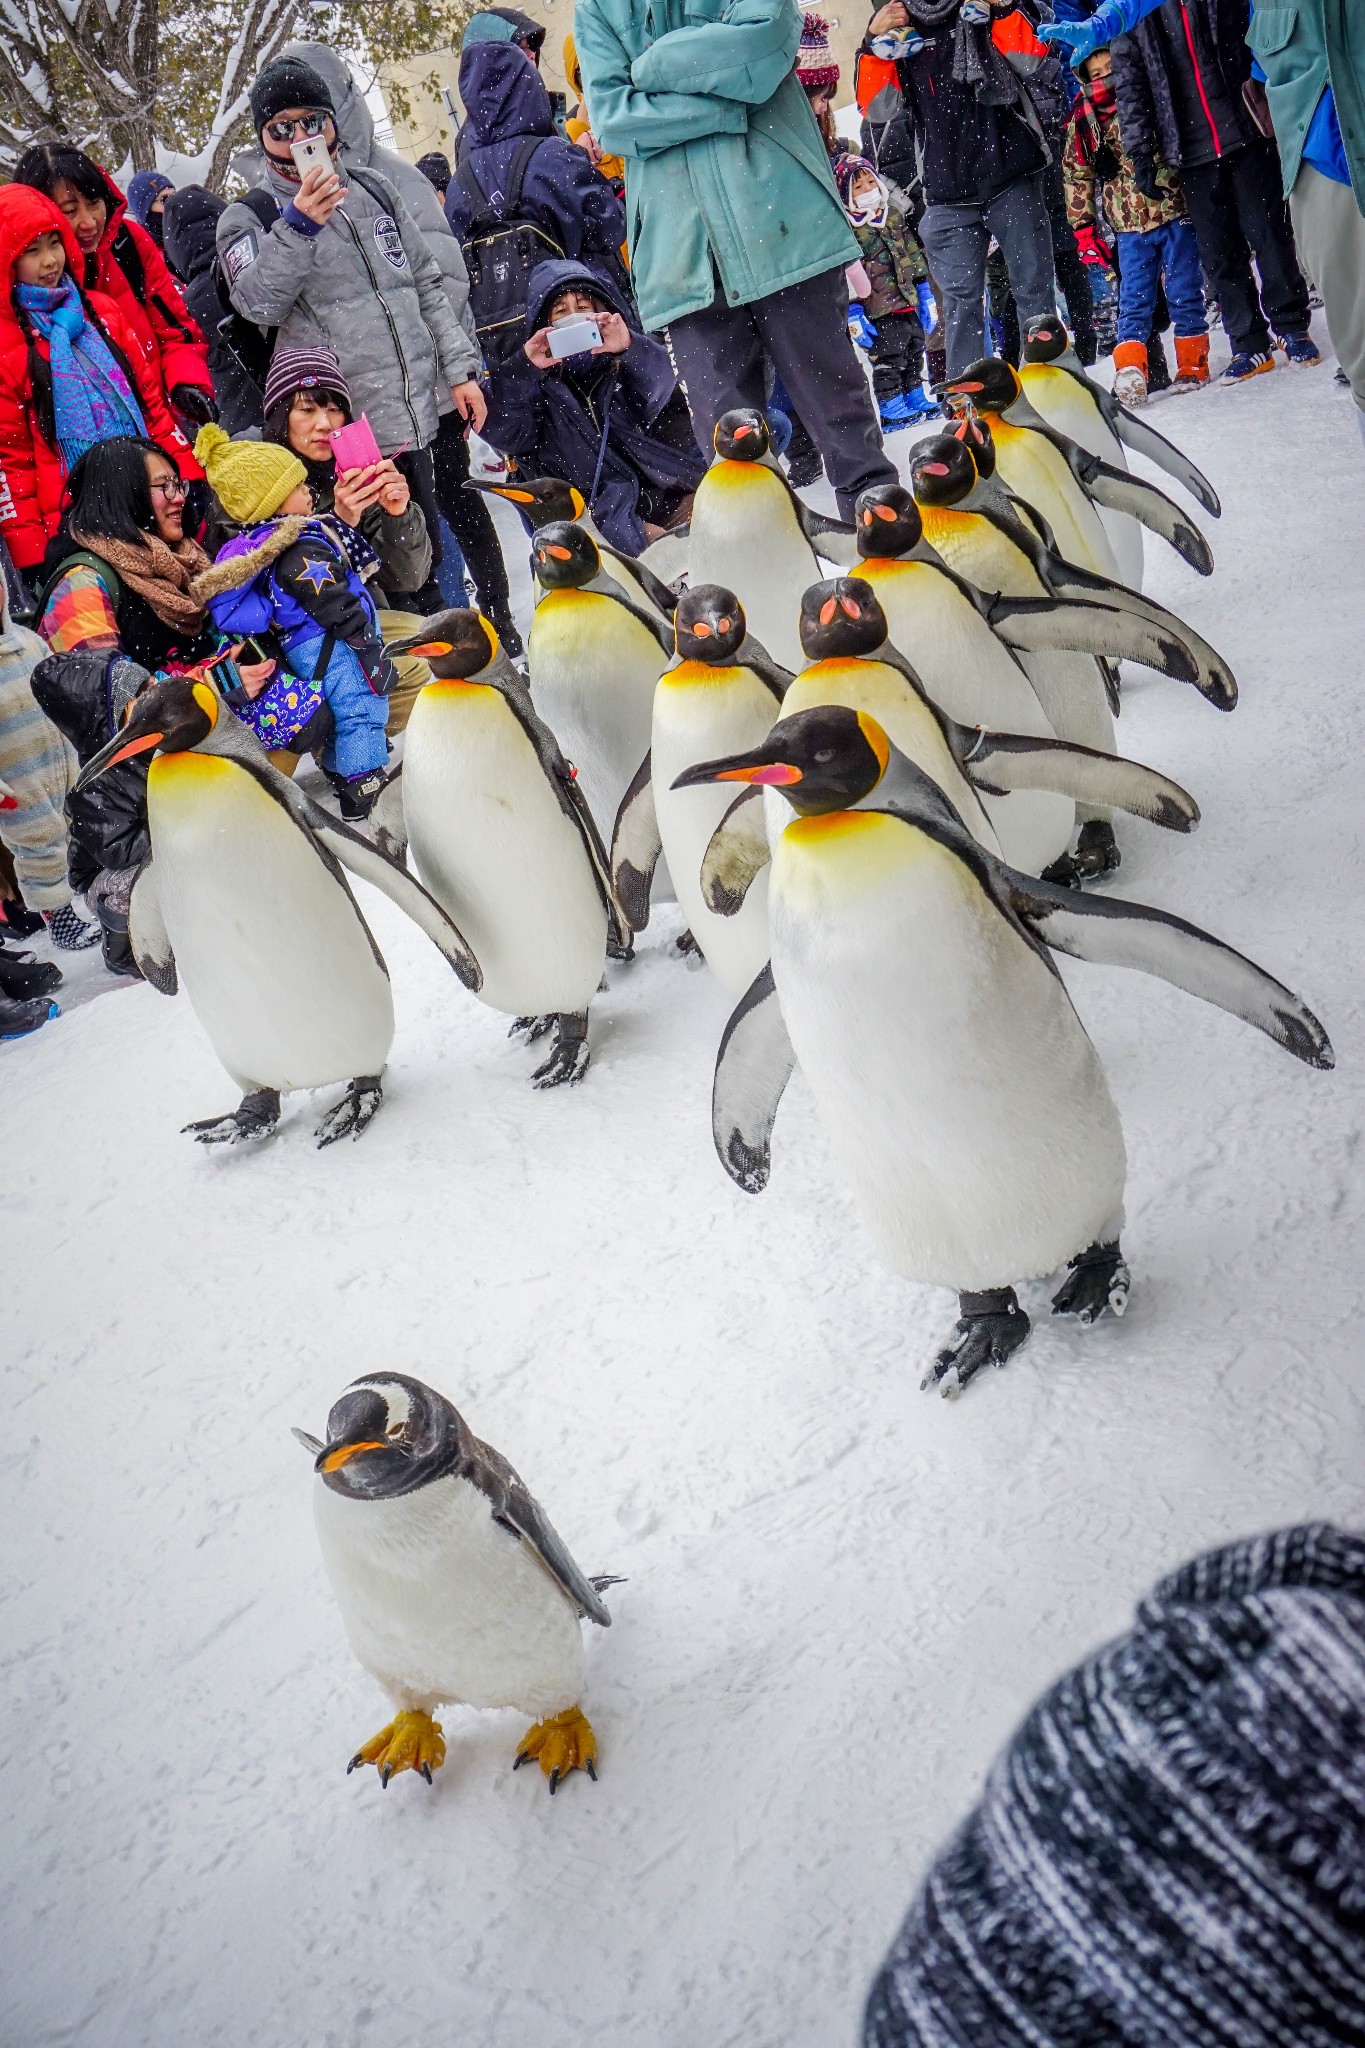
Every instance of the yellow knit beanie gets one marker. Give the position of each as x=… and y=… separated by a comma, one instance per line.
x=250, y=479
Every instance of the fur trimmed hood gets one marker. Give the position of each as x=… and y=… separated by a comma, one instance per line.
x=244, y=558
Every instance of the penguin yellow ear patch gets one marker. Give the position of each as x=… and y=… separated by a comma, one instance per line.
x=875, y=738
x=207, y=701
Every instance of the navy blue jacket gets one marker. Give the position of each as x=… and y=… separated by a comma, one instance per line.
x=505, y=99
x=553, y=421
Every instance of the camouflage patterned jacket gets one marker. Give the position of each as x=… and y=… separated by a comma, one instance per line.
x=892, y=258
x=1100, y=186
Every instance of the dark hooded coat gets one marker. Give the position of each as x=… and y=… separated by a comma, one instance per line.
x=624, y=413
x=239, y=351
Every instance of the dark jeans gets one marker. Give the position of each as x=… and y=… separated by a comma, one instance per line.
x=804, y=332
x=1234, y=201
x=1144, y=259
x=468, y=517
x=897, y=354
x=955, y=241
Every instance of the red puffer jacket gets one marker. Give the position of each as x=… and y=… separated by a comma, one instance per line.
x=158, y=316
x=32, y=475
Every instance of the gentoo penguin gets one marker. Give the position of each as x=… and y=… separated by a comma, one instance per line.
x=594, y=656
x=910, y=978
x=503, y=838
x=723, y=695
x=244, y=897
x=1056, y=384
x=454, y=1589
x=753, y=535
x=548, y=500
x=1001, y=554
x=1068, y=484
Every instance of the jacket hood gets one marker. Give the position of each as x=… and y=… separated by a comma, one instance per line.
x=191, y=221
x=555, y=275
x=571, y=70
x=143, y=188
x=355, y=129
x=243, y=559
x=504, y=95
x=24, y=215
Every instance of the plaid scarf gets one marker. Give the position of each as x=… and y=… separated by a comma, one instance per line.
x=91, y=397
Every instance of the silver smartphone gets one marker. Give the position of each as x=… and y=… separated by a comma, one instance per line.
x=310, y=152
x=574, y=337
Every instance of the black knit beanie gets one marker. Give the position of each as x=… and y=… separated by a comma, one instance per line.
x=1171, y=1851
x=287, y=82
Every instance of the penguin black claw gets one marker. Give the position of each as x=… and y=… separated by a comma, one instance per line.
x=255, y=1117
x=1096, y=854
x=569, y=1057
x=1096, y=1280
x=990, y=1328
x=356, y=1109
x=531, y=1028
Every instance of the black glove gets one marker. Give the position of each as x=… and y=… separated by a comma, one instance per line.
x=1144, y=177
x=193, y=403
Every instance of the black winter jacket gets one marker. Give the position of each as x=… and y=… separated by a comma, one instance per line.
x=970, y=149
x=84, y=695
x=1178, y=77
x=239, y=352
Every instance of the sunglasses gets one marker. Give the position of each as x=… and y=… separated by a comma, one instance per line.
x=170, y=487
x=298, y=124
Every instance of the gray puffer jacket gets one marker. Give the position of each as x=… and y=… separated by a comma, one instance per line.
x=366, y=285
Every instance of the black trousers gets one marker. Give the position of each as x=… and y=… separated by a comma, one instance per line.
x=1238, y=200
x=804, y=332
x=897, y=354
x=468, y=517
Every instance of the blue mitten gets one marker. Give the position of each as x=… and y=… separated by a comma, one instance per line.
x=976, y=13
x=928, y=311
x=860, y=327
x=902, y=42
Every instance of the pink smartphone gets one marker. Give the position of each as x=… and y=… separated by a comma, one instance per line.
x=355, y=446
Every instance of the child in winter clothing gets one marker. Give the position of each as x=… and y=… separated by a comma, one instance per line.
x=879, y=214
x=1155, y=239
x=37, y=772
x=296, y=580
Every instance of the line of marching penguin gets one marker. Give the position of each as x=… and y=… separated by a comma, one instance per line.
x=877, y=795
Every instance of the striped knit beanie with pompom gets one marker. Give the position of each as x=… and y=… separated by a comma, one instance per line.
x=816, y=69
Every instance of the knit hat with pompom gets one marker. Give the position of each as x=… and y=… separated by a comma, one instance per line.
x=816, y=69
x=251, y=479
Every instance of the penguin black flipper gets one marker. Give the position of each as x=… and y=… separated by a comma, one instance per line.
x=514, y=1505
x=654, y=587
x=387, y=821
x=738, y=851
x=147, y=934
x=636, y=846
x=836, y=540
x=1145, y=440
x=1041, y=625
x=753, y=654
x=1029, y=515
x=753, y=1067
x=1119, y=491
x=1002, y=761
x=606, y=586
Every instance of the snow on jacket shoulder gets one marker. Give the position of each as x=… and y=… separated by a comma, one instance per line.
x=158, y=316
x=366, y=286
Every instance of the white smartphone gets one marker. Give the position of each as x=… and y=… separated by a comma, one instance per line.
x=309, y=152
x=574, y=337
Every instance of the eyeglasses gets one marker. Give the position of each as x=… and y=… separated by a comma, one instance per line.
x=170, y=487
x=298, y=124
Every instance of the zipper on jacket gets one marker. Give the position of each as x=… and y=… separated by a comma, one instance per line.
x=393, y=325
x=1199, y=81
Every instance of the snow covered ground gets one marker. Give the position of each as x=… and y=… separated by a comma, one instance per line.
x=841, y=1592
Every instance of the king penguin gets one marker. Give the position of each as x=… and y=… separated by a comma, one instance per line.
x=244, y=897
x=753, y=535
x=911, y=980
x=547, y=501
x=594, y=658
x=503, y=838
x=453, y=1586
x=722, y=696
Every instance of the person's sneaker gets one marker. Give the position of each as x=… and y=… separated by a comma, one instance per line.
x=1130, y=386
x=18, y=1019
x=1248, y=363
x=356, y=799
x=892, y=414
x=1301, y=348
x=22, y=977
x=805, y=468
x=919, y=405
x=70, y=932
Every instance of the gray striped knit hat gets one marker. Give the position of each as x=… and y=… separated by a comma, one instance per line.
x=1171, y=1851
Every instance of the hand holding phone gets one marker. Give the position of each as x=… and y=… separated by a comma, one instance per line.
x=574, y=337
x=321, y=191
x=354, y=446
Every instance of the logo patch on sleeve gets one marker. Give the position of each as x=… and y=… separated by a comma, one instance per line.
x=238, y=255
x=389, y=242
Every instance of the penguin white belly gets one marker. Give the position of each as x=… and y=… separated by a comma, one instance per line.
x=1067, y=406
x=440, y=1603
x=962, y=1096
x=746, y=537
x=882, y=691
x=494, y=847
x=593, y=671
x=277, y=963
x=702, y=714
x=1030, y=466
x=976, y=680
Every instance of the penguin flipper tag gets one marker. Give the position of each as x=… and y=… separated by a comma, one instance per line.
x=514, y=1505
x=1042, y=625
x=753, y=654
x=753, y=1067
x=636, y=846
x=1000, y=762
x=1117, y=491
x=387, y=821
x=147, y=934
x=1144, y=440
x=1113, y=933
x=737, y=852
x=1213, y=679
x=372, y=866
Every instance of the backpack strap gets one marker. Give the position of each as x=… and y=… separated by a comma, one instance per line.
x=128, y=257
x=480, y=206
x=81, y=559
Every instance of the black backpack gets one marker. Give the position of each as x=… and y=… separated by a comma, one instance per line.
x=500, y=250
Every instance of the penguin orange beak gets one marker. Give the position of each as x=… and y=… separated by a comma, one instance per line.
x=741, y=768
x=334, y=1456
x=429, y=648
x=117, y=750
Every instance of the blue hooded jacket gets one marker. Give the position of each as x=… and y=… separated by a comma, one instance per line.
x=505, y=99
x=625, y=410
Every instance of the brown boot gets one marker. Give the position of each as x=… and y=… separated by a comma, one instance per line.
x=1130, y=372
x=1191, y=360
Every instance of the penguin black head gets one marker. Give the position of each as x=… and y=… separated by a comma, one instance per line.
x=1047, y=339
x=972, y=431
x=888, y=522
x=992, y=385
x=539, y=499
x=741, y=435
x=709, y=625
x=942, y=471
x=387, y=1435
x=841, y=616
x=175, y=713
x=455, y=644
x=825, y=759
x=564, y=556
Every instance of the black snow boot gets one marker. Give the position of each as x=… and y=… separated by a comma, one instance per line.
x=22, y=977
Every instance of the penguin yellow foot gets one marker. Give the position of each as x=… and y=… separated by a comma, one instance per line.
x=562, y=1744
x=411, y=1742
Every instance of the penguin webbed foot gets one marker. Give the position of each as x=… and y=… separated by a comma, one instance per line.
x=356, y=1109
x=618, y=949
x=411, y=1742
x=255, y=1117
x=570, y=1054
x=687, y=946
x=990, y=1328
x=563, y=1743
x=1097, y=1280
x=1097, y=853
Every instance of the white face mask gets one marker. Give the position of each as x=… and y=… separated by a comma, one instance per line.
x=869, y=201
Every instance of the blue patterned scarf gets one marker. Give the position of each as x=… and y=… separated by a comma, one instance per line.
x=91, y=398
